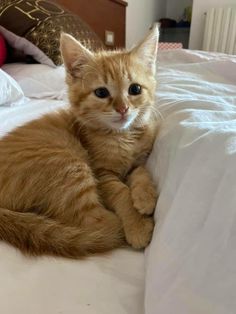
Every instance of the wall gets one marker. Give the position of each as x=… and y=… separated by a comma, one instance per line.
x=140, y=15
x=174, y=8
x=198, y=19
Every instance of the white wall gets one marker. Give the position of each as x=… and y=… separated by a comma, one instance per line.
x=198, y=19
x=140, y=15
x=175, y=8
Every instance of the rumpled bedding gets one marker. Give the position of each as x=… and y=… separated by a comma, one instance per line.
x=191, y=262
x=190, y=265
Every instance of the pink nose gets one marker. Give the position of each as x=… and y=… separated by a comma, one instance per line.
x=122, y=110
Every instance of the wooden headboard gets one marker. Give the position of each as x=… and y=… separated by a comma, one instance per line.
x=102, y=16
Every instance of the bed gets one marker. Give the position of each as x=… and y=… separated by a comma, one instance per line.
x=190, y=264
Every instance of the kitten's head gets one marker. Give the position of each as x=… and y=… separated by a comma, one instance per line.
x=111, y=89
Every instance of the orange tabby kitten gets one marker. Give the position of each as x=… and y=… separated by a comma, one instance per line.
x=73, y=182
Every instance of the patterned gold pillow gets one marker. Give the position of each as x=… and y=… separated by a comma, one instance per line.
x=40, y=23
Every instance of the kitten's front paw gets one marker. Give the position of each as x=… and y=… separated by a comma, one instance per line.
x=144, y=199
x=139, y=234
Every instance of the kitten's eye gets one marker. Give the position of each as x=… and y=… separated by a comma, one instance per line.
x=102, y=92
x=135, y=89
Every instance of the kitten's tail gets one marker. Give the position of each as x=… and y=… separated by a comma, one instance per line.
x=37, y=235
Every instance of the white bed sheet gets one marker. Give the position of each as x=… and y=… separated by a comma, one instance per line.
x=113, y=283
x=191, y=262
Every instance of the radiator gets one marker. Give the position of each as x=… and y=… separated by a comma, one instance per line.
x=220, y=30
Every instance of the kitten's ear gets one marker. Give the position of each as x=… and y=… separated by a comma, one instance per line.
x=146, y=51
x=74, y=54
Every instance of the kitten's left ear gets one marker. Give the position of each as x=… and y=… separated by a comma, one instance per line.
x=146, y=51
x=74, y=54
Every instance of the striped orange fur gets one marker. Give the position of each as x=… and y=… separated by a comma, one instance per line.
x=72, y=182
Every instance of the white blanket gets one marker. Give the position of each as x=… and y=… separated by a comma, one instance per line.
x=191, y=262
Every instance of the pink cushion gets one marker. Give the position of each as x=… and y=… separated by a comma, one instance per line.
x=3, y=50
x=169, y=46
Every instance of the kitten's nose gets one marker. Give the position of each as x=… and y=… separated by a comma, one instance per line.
x=122, y=110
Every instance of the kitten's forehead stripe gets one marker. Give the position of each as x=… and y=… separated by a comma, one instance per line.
x=112, y=69
x=129, y=75
x=105, y=78
x=115, y=69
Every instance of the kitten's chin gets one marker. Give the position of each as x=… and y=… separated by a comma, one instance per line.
x=135, y=119
x=120, y=124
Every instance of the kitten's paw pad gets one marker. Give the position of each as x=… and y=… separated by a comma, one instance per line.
x=139, y=235
x=144, y=199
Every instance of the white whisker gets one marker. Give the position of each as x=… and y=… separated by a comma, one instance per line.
x=156, y=112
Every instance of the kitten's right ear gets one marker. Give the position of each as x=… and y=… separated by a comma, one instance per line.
x=74, y=54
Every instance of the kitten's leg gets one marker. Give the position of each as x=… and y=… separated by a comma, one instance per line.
x=143, y=191
x=116, y=195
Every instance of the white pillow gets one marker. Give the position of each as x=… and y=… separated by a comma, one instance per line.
x=39, y=80
x=11, y=93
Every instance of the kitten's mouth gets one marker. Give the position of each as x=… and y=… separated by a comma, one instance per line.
x=121, y=119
